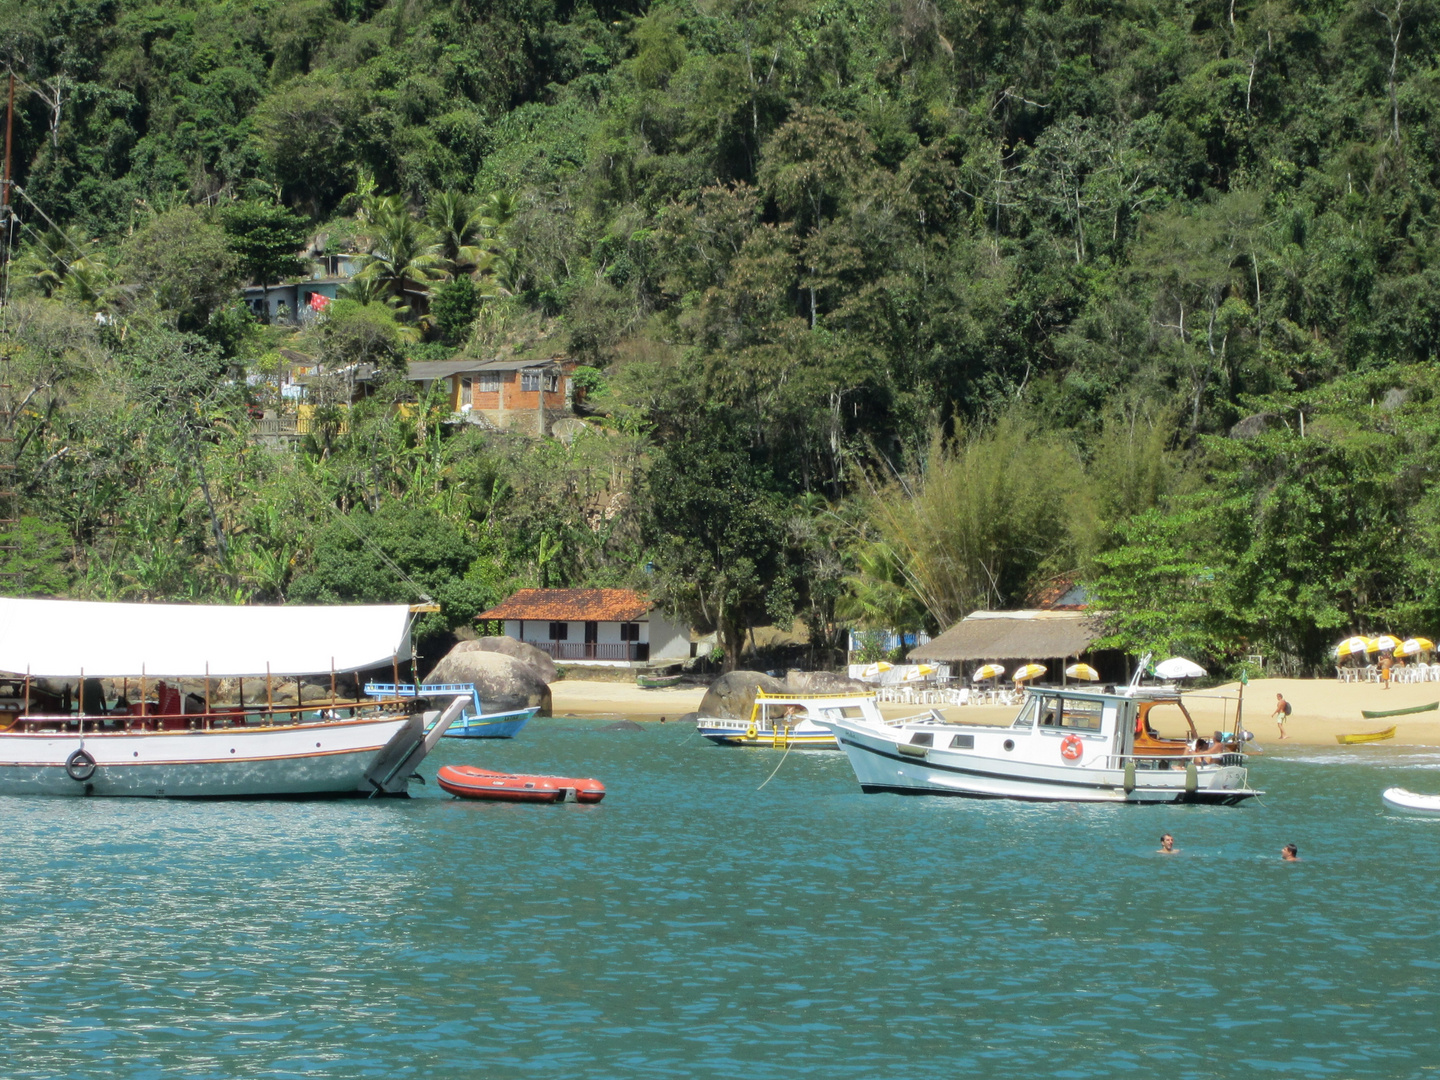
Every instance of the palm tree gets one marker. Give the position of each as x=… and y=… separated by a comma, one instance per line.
x=460, y=228
x=403, y=257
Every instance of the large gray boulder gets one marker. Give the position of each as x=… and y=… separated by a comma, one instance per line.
x=824, y=682
x=537, y=660
x=732, y=696
x=503, y=682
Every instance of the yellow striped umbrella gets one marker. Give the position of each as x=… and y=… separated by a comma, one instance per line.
x=1413, y=645
x=1029, y=671
x=1385, y=642
x=989, y=671
x=1355, y=646
x=872, y=670
x=1083, y=671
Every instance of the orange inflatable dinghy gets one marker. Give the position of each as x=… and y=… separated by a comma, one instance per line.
x=468, y=782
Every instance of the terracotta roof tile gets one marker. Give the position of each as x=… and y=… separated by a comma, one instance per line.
x=571, y=605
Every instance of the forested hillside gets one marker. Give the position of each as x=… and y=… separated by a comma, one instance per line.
x=888, y=310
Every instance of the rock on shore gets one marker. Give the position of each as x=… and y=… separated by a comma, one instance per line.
x=732, y=696
x=503, y=681
x=533, y=658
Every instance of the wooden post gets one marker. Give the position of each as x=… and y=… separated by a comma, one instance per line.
x=80, y=698
x=143, y=706
x=269, y=704
x=27, y=689
x=207, y=693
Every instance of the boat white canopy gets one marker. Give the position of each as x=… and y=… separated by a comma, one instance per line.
x=63, y=638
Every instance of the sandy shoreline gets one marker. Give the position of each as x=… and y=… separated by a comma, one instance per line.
x=1322, y=708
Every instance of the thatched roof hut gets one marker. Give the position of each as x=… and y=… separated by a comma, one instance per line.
x=1014, y=635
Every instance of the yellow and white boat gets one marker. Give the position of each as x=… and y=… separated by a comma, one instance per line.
x=785, y=721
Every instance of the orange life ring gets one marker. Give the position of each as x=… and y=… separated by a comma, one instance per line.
x=1071, y=747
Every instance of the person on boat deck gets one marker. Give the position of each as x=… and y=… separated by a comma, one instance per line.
x=1167, y=845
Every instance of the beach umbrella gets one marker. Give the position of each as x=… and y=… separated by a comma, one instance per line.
x=1177, y=667
x=872, y=670
x=1354, y=646
x=1083, y=671
x=1413, y=645
x=1029, y=671
x=1385, y=643
x=989, y=671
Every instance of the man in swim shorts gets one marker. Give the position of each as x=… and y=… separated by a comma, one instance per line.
x=1281, y=714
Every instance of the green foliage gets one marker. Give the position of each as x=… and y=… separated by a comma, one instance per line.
x=266, y=239
x=183, y=262
x=455, y=306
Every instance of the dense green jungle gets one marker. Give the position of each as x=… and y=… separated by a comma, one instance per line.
x=887, y=310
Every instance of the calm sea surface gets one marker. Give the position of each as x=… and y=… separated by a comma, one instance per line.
x=693, y=925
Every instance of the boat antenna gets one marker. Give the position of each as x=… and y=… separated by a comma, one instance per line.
x=1140, y=669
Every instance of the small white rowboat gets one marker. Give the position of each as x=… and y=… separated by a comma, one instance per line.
x=1401, y=799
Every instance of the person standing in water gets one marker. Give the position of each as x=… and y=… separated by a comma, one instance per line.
x=1281, y=714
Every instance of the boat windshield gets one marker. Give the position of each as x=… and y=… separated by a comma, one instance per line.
x=842, y=712
x=1027, y=714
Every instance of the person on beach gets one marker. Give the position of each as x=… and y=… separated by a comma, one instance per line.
x=1281, y=714
x=1167, y=845
x=1385, y=663
x=1290, y=853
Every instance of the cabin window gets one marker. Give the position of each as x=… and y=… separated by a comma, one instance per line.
x=530, y=381
x=962, y=742
x=559, y=631
x=843, y=712
x=923, y=738
x=1071, y=714
x=629, y=631
x=489, y=382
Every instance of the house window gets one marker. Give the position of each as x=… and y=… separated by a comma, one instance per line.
x=629, y=631
x=530, y=380
x=559, y=631
x=467, y=391
x=489, y=382
x=552, y=383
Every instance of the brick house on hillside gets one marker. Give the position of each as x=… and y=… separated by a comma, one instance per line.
x=528, y=395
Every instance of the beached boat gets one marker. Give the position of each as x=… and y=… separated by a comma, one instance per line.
x=783, y=721
x=657, y=682
x=1366, y=736
x=1064, y=745
x=474, y=722
x=1401, y=799
x=468, y=782
x=1380, y=714
x=64, y=731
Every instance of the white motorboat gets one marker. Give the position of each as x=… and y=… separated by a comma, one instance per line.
x=783, y=721
x=1064, y=745
x=1401, y=799
x=163, y=745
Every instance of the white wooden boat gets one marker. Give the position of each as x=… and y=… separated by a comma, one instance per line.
x=783, y=721
x=62, y=744
x=1401, y=799
x=1064, y=745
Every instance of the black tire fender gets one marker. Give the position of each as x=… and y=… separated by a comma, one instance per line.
x=80, y=766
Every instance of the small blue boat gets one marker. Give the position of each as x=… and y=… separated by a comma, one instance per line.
x=474, y=723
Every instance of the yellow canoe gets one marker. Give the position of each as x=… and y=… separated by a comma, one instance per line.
x=1366, y=736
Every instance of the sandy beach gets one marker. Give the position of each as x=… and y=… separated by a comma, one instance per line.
x=1322, y=708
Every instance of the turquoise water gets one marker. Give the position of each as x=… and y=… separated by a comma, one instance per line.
x=693, y=926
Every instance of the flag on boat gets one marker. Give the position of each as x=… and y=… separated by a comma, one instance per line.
x=1177, y=667
x=1414, y=645
x=989, y=671
x=1083, y=671
x=1355, y=646
x=1387, y=643
x=1029, y=671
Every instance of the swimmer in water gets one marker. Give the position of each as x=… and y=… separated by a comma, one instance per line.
x=1167, y=845
x=1290, y=853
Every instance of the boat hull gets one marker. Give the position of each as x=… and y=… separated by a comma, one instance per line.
x=881, y=766
x=468, y=782
x=1365, y=737
x=1400, y=799
x=804, y=736
x=345, y=757
x=504, y=725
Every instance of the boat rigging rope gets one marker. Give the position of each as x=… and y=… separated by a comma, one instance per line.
x=777, y=767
